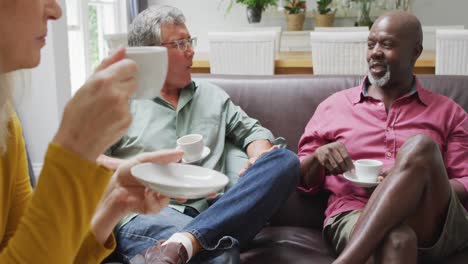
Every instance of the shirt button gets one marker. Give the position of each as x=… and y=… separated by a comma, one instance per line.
x=380, y=104
x=389, y=129
x=389, y=154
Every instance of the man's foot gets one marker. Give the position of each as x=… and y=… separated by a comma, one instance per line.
x=169, y=253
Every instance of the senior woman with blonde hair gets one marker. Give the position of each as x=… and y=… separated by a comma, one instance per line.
x=76, y=204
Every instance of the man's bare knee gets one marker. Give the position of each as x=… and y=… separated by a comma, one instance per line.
x=420, y=144
x=401, y=238
x=419, y=151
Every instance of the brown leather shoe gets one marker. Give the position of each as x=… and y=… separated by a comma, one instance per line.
x=170, y=253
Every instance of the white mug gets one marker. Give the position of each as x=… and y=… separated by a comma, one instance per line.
x=368, y=169
x=192, y=145
x=152, y=70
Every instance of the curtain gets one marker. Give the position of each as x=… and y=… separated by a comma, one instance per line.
x=134, y=7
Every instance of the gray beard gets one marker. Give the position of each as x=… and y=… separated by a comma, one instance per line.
x=381, y=81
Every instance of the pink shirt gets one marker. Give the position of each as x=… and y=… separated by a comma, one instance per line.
x=368, y=132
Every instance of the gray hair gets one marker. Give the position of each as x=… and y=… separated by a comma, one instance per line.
x=145, y=29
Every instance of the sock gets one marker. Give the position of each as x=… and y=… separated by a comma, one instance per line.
x=185, y=241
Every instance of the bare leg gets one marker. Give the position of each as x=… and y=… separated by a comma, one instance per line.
x=416, y=192
x=399, y=246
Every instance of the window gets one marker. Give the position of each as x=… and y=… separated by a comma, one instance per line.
x=88, y=21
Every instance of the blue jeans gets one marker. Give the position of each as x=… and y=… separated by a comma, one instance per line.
x=231, y=222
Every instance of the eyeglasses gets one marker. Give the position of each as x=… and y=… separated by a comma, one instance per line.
x=182, y=44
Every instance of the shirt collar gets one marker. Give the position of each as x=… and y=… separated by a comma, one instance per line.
x=185, y=96
x=417, y=90
x=423, y=94
x=356, y=94
x=189, y=89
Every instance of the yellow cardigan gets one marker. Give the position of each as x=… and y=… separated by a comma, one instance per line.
x=51, y=225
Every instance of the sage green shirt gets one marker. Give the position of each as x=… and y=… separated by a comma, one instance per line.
x=205, y=109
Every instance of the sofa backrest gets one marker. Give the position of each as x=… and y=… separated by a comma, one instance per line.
x=285, y=103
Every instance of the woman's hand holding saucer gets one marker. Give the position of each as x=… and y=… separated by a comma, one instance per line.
x=125, y=194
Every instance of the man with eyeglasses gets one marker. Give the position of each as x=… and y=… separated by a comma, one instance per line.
x=221, y=226
x=182, y=44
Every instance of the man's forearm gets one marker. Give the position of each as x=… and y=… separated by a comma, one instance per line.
x=257, y=147
x=312, y=171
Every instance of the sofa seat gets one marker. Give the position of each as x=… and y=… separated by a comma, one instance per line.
x=288, y=244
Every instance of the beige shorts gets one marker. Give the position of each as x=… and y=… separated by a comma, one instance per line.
x=453, y=238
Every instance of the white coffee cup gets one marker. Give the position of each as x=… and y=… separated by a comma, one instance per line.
x=192, y=145
x=152, y=70
x=368, y=170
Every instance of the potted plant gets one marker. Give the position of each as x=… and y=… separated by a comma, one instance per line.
x=254, y=8
x=295, y=14
x=364, y=11
x=325, y=15
x=403, y=4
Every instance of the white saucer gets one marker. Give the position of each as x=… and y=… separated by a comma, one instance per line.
x=352, y=178
x=206, y=151
x=178, y=180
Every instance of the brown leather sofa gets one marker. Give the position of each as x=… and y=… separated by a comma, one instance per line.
x=284, y=104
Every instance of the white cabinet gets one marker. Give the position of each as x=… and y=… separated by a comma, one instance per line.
x=295, y=41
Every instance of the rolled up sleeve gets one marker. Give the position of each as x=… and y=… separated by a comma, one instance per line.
x=242, y=129
x=457, y=149
x=312, y=139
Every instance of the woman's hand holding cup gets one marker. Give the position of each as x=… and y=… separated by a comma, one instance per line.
x=98, y=115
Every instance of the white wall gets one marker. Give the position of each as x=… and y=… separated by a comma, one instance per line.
x=45, y=91
x=437, y=12
x=209, y=15
x=204, y=16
